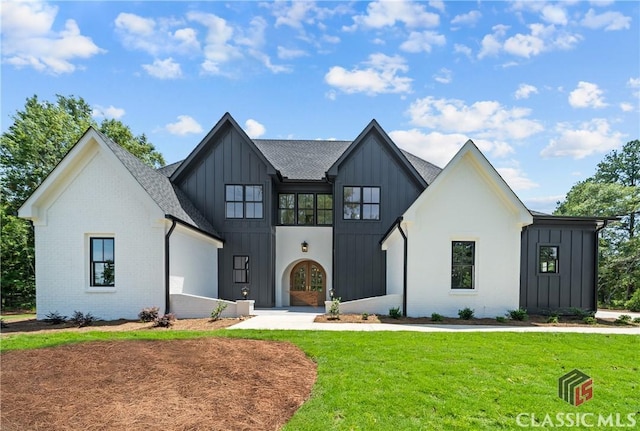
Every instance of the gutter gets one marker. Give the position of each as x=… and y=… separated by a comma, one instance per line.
x=404, y=270
x=167, y=272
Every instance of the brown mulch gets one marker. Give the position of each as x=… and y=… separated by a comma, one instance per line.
x=200, y=384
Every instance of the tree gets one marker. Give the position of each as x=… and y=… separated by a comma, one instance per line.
x=39, y=137
x=613, y=192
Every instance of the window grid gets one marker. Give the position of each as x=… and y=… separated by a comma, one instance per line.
x=305, y=209
x=463, y=264
x=241, y=269
x=361, y=203
x=102, y=261
x=548, y=259
x=243, y=201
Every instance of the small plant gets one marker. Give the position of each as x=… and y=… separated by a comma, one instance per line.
x=623, y=319
x=394, y=313
x=466, y=313
x=365, y=316
x=165, y=321
x=148, y=314
x=81, y=320
x=553, y=319
x=436, y=317
x=636, y=320
x=55, y=318
x=590, y=320
x=633, y=304
x=3, y=324
x=216, y=314
x=501, y=319
x=580, y=313
x=334, y=309
x=519, y=314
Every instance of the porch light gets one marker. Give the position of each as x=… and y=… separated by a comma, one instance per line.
x=245, y=292
x=331, y=294
x=305, y=246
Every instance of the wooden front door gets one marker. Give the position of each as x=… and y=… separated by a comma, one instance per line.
x=308, y=282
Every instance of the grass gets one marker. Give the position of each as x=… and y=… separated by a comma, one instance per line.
x=10, y=317
x=453, y=381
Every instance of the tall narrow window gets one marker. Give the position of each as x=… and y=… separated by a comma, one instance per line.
x=371, y=203
x=102, y=261
x=305, y=208
x=548, y=258
x=325, y=209
x=253, y=201
x=234, y=199
x=463, y=256
x=287, y=208
x=241, y=269
x=351, y=203
x=361, y=203
x=243, y=201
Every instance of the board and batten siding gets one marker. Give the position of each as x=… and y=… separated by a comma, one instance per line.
x=359, y=263
x=574, y=285
x=229, y=159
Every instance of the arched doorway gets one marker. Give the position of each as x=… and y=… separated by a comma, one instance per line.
x=307, y=285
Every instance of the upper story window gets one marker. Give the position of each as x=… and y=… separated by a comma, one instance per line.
x=463, y=257
x=305, y=209
x=243, y=201
x=102, y=261
x=548, y=259
x=361, y=203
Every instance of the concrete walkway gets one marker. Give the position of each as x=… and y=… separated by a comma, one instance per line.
x=301, y=318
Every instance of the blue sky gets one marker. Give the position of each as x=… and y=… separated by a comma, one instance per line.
x=545, y=89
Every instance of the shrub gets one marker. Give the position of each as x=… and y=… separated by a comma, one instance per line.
x=365, y=316
x=394, y=313
x=636, y=320
x=81, y=320
x=148, y=314
x=590, y=320
x=217, y=312
x=436, y=317
x=164, y=321
x=580, y=313
x=334, y=309
x=633, y=304
x=553, y=319
x=3, y=324
x=519, y=314
x=623, y=319
x=501, y=319
x=55, y=318
x=466, y=313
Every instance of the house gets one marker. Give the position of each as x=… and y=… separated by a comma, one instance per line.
x=295, y=221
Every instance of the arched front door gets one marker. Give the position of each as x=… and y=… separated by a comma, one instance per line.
x=308, y=283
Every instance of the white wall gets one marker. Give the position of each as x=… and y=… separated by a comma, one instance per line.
x=289, y=253
x=102, y=199
x=464, y=206
x=394, y=246
x=193, y=263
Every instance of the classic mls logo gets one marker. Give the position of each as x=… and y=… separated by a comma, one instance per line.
x=575, y=387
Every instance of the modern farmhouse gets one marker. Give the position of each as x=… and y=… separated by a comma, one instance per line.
x=294, y=221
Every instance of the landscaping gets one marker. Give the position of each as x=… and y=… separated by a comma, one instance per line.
x=365, y=381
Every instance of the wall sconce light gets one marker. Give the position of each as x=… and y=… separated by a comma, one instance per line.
x=245, y=292
x=305, y=246
x=332, y=293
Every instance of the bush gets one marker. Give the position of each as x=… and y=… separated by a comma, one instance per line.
x=633, y=304
x=217, y=312
x=466, y=313
x=55, y=318
x=148, y=314
x=365, y=316
x=334, y=309
x=553, y=319
x=394, y=313
x=3, y=324
x=436, y=317
x=590, y=320
x=623, y=319
x=165, y=321
x=501, y=319
x=519, y=314
x=81, y=320
x=580, y=313
x=636, y=320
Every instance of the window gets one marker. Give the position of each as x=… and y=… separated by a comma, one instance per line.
x=241, y=269
x=287, y=208
x=548, y=258
x=243, y=201
x=325, y=209
x=463, y=264
x=361, y=203
x=102, y=261
x=305, y=209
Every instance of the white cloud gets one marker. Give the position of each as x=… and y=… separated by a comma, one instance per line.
x=379, y=75
x=444, y=76
x=492, y=43
x=218, y=48
x=484, y=119
x=545, y=204
x=633, y=82
x=164, y=69
x=156, y=36
x=462, y=49
x=388, y=13
x=626, y=107
x=254, y=129
x=422, y=41
x=524, y=91
x=295, y=14
x=540, y=39
x=586, y=95
x=184, y=126
x=516, y=178
x=592, y=137
x=469, y=18
x=610, y=21
x=28, y=38
x=437, y=4
x=554, y=14
x=108, y=112
x=287, y=54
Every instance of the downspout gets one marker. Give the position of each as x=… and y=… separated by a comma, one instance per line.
x=404, y=272
x=605, y=222
x=167, y=296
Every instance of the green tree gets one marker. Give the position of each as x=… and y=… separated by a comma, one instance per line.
x=613, y=191
x=39, y=137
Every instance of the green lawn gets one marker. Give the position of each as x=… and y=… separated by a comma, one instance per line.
x=439, y=381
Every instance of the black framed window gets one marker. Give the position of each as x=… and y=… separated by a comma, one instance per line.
x=325, y=209
x=241, y=269
x=463, y=256
x=287, y=208
x=102, y=261
x=548, y=259
x=361, y=203
x=306, y=208
x=243, y=201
